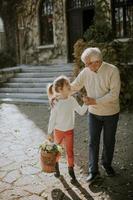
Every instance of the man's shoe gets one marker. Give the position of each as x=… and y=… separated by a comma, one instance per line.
x=92, y=176
x=109, y=171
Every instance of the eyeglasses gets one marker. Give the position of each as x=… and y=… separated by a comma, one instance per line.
x=91, y=63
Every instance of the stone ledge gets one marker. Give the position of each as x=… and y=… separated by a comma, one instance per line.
x=8, y=73
x=128, y=65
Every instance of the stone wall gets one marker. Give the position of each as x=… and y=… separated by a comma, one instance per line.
x=30, y=50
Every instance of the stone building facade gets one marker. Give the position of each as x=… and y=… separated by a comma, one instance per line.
x=32, y=48
x=48, y=29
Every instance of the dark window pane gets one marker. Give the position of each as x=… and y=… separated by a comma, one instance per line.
x=119, y=22
x=122, y=18
x=46, y=22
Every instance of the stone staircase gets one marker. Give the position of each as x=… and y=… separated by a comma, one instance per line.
x=29, y=85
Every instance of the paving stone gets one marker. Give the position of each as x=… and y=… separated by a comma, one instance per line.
x=12, y=176
x=35, y=188
x=13, y=194
x=4, y=186
x=12, y=166
x=29, y=170
x=32, y=197
x=2, y=174
x=27, y=179
x=4, y=162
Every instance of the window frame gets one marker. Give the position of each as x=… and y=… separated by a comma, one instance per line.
x=45, y=33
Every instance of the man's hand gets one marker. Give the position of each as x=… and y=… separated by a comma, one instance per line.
x=89, y=101
x=51, y=137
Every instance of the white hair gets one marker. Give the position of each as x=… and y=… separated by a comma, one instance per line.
x=93, y=53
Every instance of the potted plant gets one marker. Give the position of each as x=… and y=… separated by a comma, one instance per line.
x=48, y=154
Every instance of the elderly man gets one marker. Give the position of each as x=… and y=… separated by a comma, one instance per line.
x=102, y=83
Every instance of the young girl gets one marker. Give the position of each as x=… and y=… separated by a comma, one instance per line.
x=62, y=119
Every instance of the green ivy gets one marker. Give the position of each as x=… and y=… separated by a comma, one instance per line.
x=101, y=30
x=6, y=59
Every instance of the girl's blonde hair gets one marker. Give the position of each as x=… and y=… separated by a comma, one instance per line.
x=59, y=82
x=54, y=87
x=50, y=91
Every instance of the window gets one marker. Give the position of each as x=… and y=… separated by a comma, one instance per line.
x=80, y=3
x=122, y=18
x=2, y=35
x=46, y=22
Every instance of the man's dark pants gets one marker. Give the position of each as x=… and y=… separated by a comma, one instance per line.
x=97, y=124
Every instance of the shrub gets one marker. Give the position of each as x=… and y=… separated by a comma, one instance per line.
x=6, y=59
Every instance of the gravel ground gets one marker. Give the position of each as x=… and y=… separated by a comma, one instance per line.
x=119, y=187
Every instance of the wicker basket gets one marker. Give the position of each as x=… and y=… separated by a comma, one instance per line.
x=48, y=161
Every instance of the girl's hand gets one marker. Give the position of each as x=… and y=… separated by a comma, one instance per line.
x=51, y=137
x=89, y=101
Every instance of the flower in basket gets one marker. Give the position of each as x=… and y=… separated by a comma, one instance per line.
x=50, y=147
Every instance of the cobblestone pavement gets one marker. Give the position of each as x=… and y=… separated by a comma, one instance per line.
x=22, y=130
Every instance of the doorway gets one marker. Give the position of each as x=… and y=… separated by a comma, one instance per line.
x=88, y=16
x=79, y=18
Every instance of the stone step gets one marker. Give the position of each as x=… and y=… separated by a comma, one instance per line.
x=19, y=101
x=48, y=68
x=23, y=90
x=25, y=85
x=24, y=95
x=32, y=80
x=42, y=75
x=45, y=70
x=38, y=69
x=30, y=83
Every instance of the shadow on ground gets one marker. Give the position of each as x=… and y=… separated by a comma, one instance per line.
x=60, y=195
x=119, y=187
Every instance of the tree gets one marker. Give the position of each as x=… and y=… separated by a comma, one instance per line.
x=8, y=13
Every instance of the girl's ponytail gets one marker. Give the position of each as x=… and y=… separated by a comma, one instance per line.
x=50, y=92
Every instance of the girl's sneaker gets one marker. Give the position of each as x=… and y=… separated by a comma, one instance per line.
x=57, y=171
x=72, y=174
